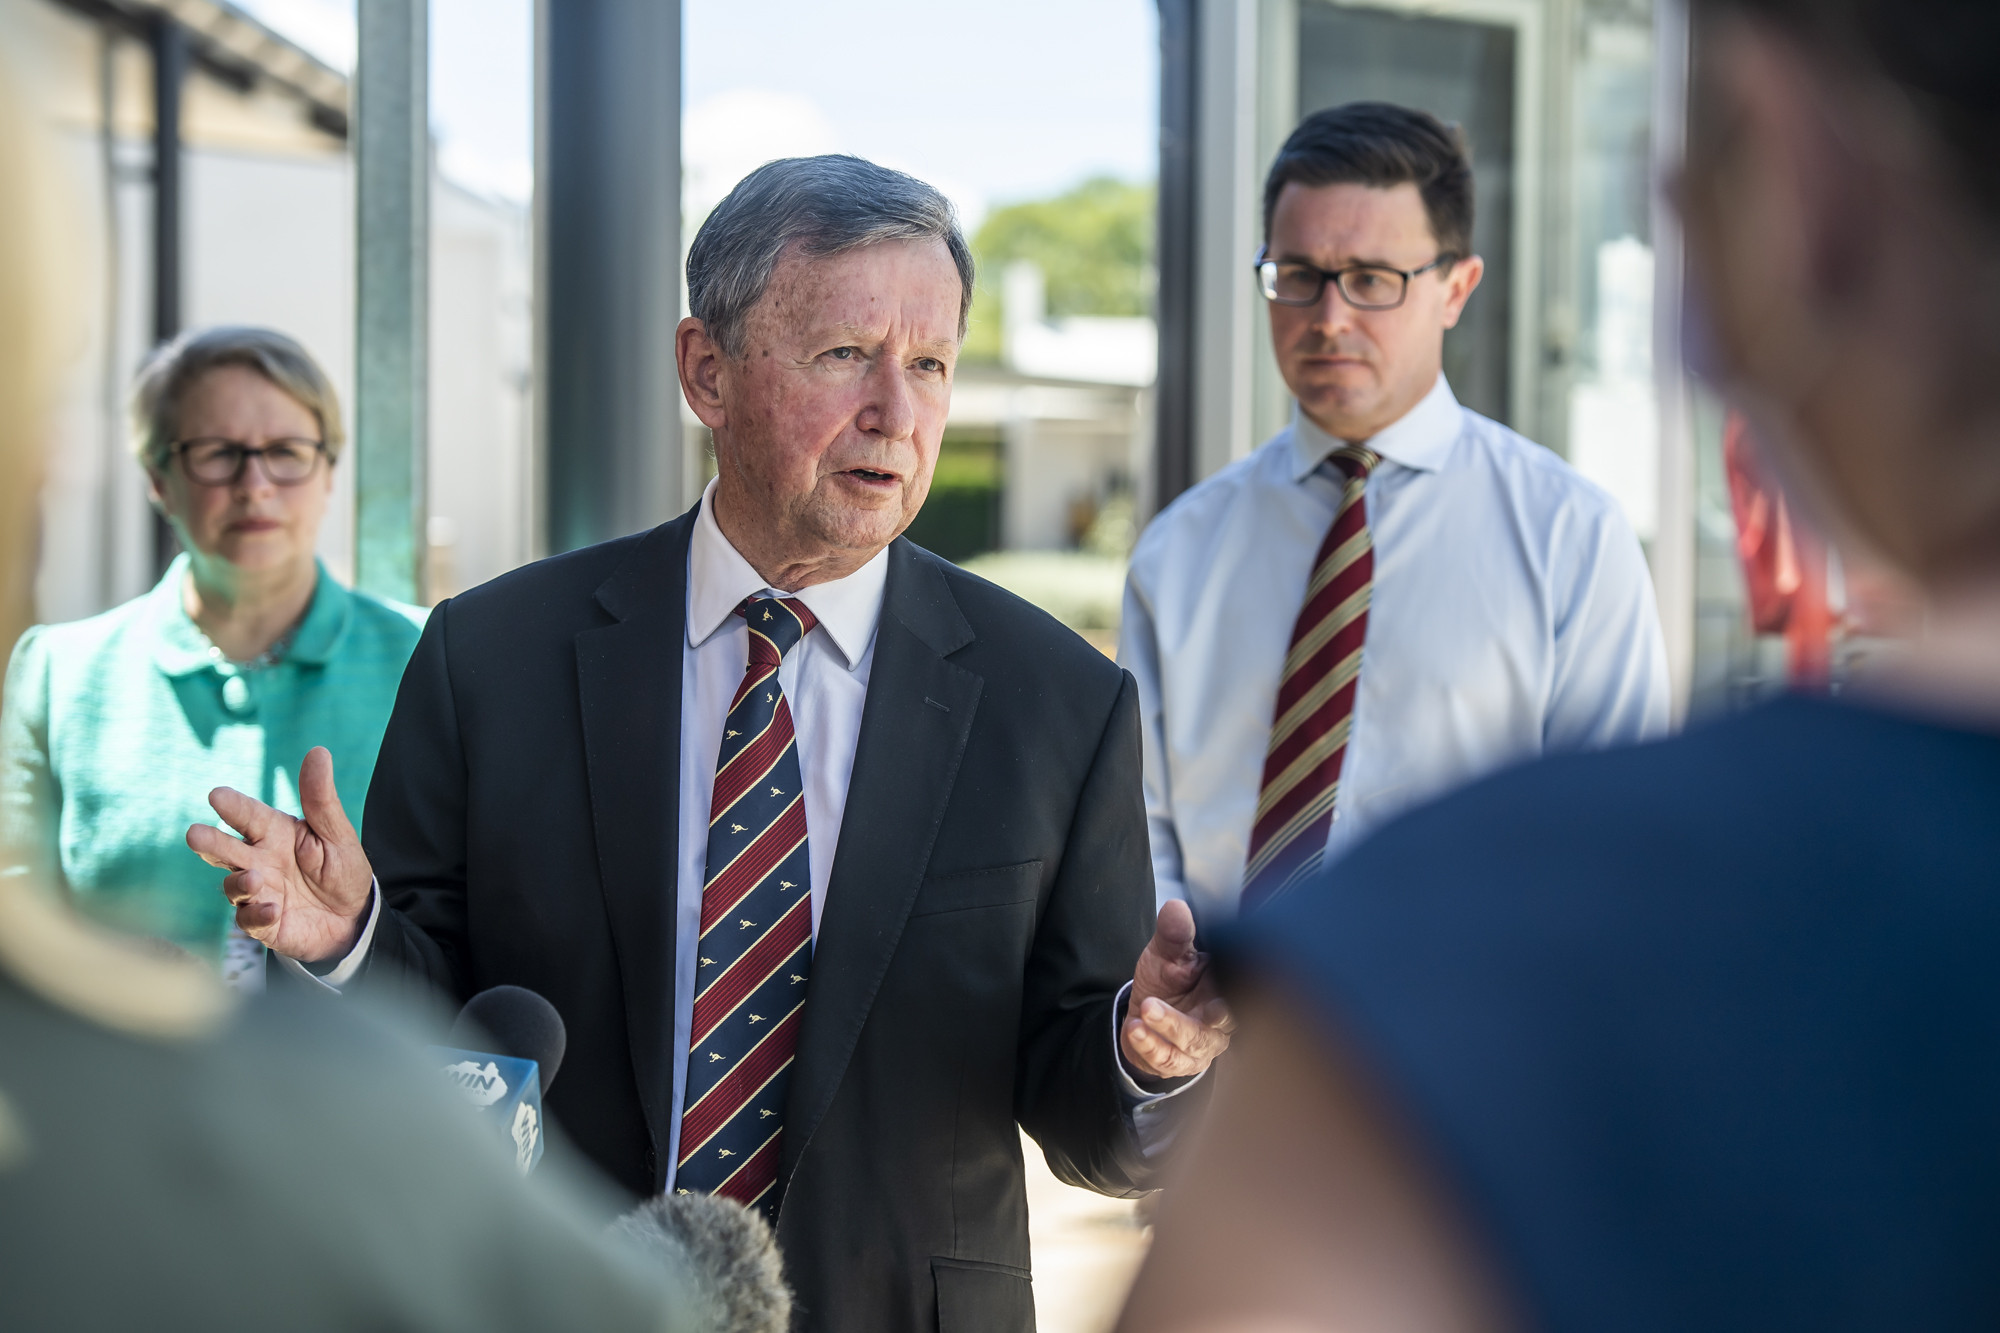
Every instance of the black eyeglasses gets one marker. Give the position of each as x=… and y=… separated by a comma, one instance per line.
x=1363, y=286
x=221, y=462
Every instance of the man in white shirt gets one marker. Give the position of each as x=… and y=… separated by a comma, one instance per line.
x=1394, y=594
x=831, y=856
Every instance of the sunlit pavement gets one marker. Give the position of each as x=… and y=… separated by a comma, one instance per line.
x=1086, y=1250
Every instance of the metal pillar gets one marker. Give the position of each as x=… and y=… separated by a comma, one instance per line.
x=1174, y=410
x=607, y=192
x=170, y=64
x=1675, y=540
x=391, y=139
x=169, y=43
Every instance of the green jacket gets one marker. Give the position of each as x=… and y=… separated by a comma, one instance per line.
x=115, y=729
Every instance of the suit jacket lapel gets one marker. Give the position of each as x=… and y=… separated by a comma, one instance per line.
x=629, y=677
x=913, y=733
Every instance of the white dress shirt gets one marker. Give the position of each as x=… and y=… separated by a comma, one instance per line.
x=1512, y=614
x=825, y=680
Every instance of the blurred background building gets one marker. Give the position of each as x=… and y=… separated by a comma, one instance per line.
x=1107, y=157
x=258, y=220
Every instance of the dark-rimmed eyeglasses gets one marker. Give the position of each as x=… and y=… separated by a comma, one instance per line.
x=1363, y=286
x=220, y=462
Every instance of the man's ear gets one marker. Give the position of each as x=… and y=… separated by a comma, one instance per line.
x=700, y=362
x=1460, y=284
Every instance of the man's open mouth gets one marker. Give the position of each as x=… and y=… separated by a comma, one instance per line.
x=870, y=474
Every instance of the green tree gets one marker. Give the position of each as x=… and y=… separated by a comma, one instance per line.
x=1094, y=244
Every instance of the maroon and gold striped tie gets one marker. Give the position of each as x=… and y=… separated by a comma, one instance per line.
x=1315, y=707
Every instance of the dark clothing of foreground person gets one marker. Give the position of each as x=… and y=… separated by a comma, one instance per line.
x=1643, y=1072
x=168, y=1164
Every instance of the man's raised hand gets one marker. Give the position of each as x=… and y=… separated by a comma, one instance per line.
x=1175, y=1023
x=301, y=886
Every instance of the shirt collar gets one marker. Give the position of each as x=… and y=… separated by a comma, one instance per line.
x=180, y=648
x=719, y=578
x=1421, y=439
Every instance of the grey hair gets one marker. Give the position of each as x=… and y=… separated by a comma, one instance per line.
x=724, y=1257
x=825, y=206
x=174, y=367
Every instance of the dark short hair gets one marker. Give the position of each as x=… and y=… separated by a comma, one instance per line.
x=823, y=205
x=1944, y=55
x=1383, y=145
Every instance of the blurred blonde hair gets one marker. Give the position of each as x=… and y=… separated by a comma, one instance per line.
x=44, y=946
x=38, y=334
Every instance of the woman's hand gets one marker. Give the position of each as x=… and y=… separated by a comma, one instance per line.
x=301, y=886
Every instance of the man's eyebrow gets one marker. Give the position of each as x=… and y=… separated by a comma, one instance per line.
x=861, y=335
x=1348, y=262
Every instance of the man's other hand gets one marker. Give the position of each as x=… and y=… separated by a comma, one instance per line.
x=1175, y=1023
x=300, y=886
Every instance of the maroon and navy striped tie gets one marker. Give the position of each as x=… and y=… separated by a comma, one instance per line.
x=756, y=933
x=1315, y=708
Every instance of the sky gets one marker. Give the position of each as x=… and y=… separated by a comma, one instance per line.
x=993, y=101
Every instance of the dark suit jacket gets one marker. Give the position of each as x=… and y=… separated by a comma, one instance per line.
x=990, y=894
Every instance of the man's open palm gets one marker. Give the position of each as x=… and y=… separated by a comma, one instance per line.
x=1175, y=1023
x=300, y=886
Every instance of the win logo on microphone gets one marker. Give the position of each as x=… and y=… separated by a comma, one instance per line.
x=506, y=1091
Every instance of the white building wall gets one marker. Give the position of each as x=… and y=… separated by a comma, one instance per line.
x=269, y=240
x=268, y=233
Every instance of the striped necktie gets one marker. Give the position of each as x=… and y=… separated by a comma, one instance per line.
x=756, y=933
x=1315, y=708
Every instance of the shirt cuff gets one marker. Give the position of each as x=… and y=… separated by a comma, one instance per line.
x=1134, y=1096
x=343, y=971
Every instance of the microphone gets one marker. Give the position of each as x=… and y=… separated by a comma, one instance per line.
x=509, y=1043
x=723, y=1257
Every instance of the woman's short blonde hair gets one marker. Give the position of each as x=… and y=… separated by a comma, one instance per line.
x=172, y=370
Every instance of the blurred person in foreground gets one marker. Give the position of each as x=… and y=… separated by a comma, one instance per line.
x=245, y=656
x=169, y=1160
x=1697, y=1035
x=1394, y=595
x=831, y=855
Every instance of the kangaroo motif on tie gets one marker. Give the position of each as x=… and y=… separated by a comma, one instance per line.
x=747, y=1002
x=1315, y=707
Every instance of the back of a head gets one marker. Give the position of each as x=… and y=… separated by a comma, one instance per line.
x=1382, y=145
x=39, y=332
x=1842, y=199
x=1944, y=55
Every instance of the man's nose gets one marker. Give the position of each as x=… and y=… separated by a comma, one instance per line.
x=891, y=410
x=1332, y=315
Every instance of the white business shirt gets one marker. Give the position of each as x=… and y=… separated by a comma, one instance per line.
x=825, y=680
x=1512, y=614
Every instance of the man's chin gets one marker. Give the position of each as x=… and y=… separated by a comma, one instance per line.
x=1340, y=412
x=862, y=529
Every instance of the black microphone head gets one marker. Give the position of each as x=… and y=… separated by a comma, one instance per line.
x=513, y=1020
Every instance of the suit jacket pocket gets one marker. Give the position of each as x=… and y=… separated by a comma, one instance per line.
x=973, y=1297
x=961, y=890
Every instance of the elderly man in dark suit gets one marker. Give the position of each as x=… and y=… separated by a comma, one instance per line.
x=832, y=856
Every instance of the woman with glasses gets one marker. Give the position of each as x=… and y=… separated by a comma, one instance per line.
x=245, y=656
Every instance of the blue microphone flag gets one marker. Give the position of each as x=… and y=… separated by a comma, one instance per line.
x=506, y=1091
